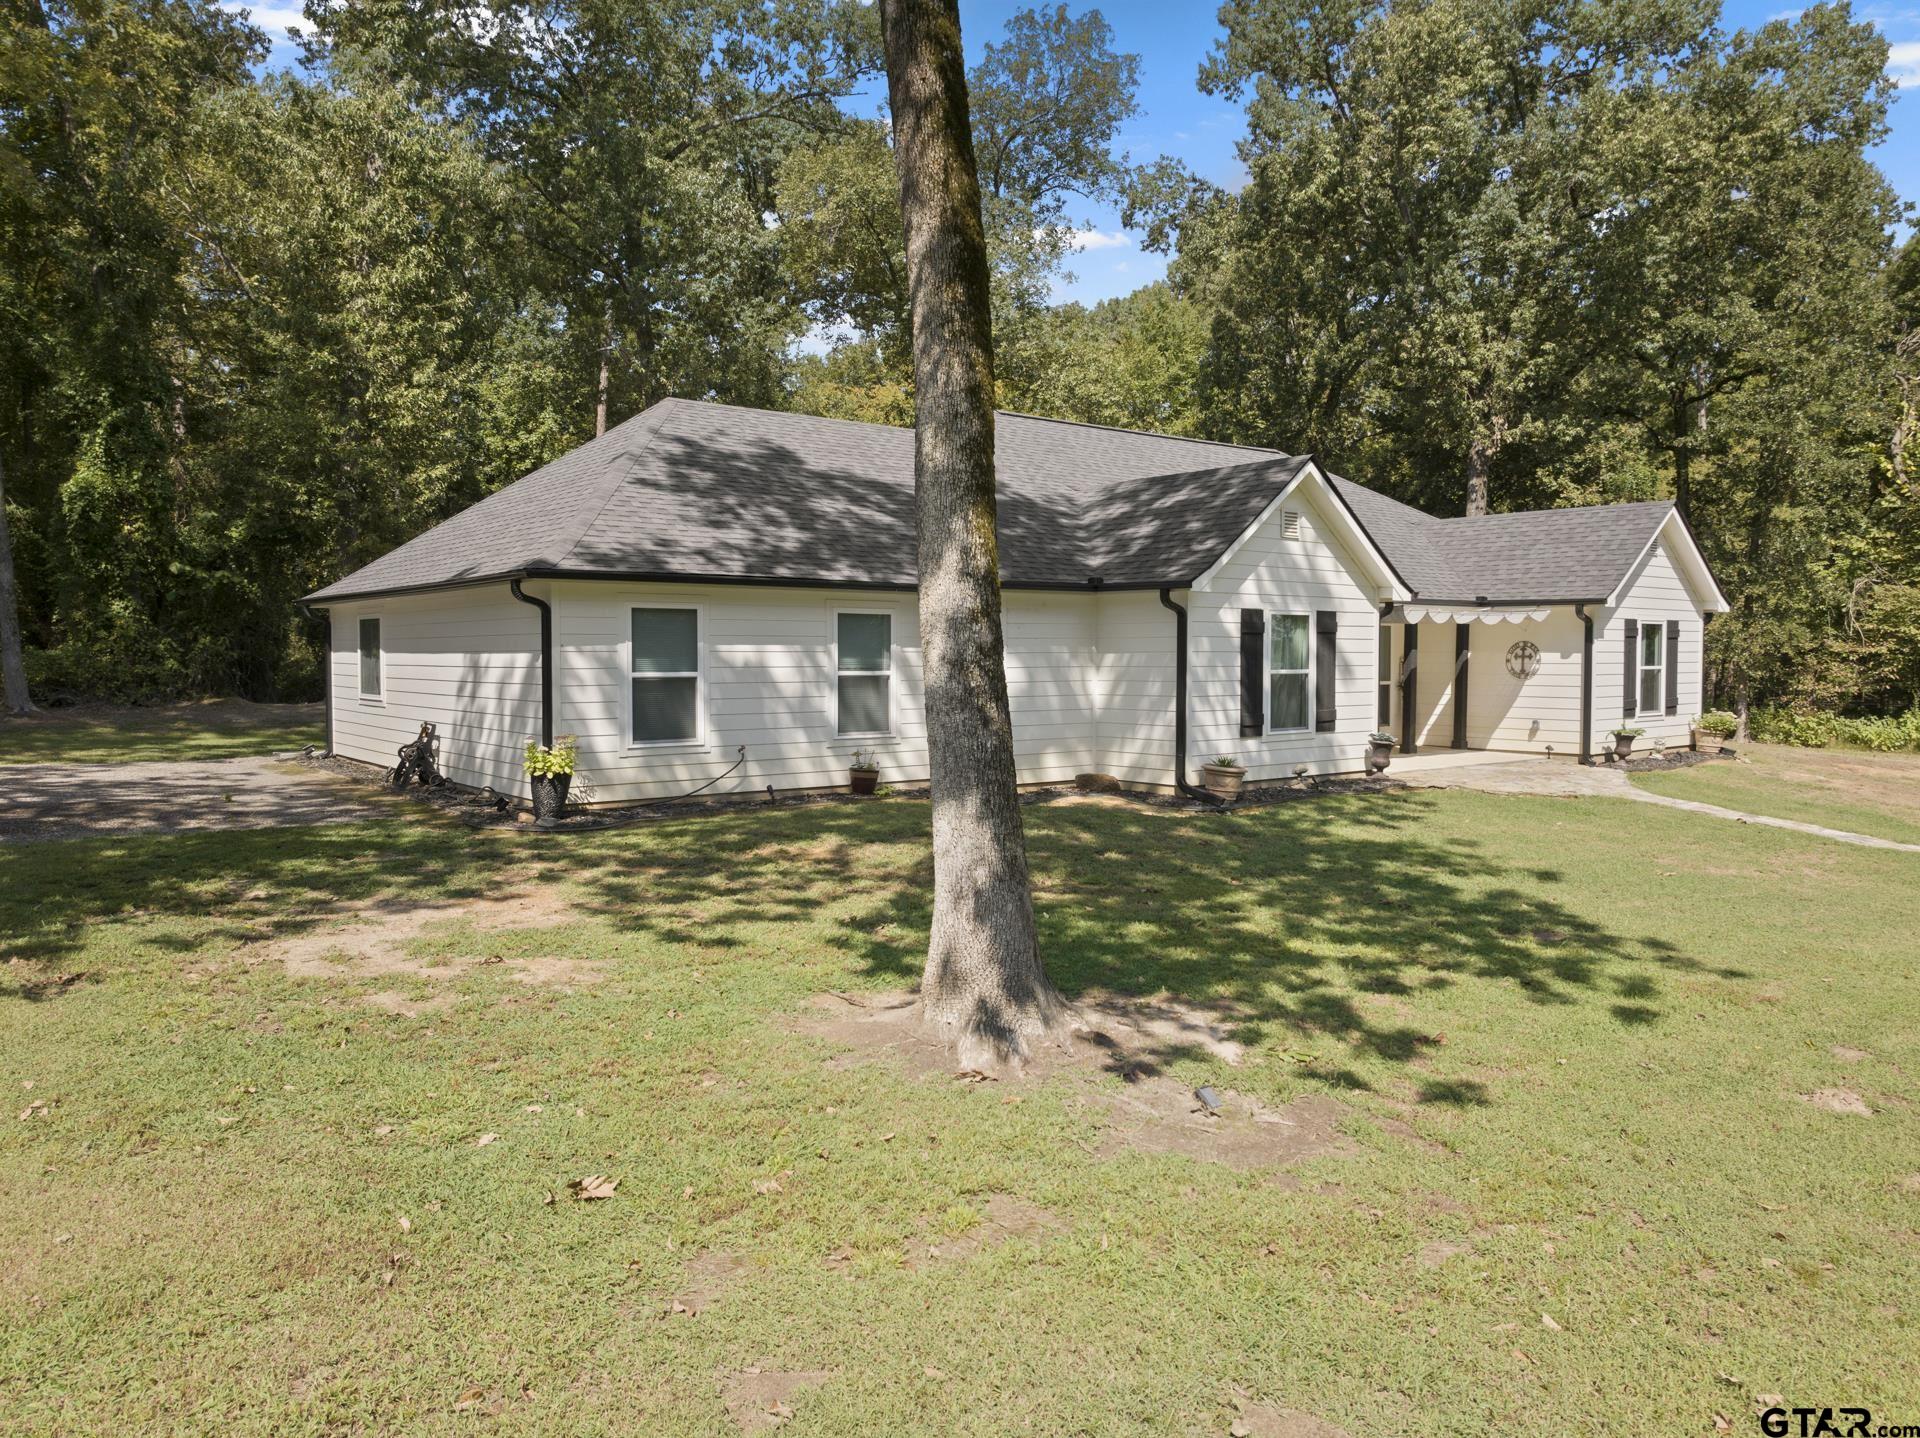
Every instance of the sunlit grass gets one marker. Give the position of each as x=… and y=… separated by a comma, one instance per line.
x=1572, y=1038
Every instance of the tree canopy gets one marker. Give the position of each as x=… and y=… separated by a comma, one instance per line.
x=256, y=328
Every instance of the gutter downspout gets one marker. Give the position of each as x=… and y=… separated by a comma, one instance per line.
x=1180, y=705
x=1586, y=685
x=326, y=673
x=546, y=659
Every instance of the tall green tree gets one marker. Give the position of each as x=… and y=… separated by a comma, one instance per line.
x=985, y=989
x=643, y=139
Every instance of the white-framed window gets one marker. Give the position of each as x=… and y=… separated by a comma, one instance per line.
x=1653, y=667
x=1383, y=675
x=863, y=672
x=1289, y=673
x=372, y=661
x=666, y=688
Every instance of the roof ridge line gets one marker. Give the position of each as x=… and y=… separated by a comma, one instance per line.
x=1149, y=433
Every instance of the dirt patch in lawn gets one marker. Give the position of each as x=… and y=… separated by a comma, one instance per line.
x=1838, y=1100
x=1432, y=1255
x=708, y=1278
x=760, y=1400
x=1132, y=1039
x=1159, y=1116
x=1266, y=1420
x=378, y=943
x=1007, y=1217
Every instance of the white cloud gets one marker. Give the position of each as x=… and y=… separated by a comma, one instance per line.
x=1081, y=241
x=1903, y=63
x=274, y=19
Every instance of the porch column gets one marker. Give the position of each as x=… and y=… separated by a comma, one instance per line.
x=1410, y=690
x=1462, y=646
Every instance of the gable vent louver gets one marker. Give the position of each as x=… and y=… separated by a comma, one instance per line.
x=1289, y=524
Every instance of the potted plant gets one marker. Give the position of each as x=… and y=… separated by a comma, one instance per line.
x=1223, y=776
x=1379, y=750
x=550, y=774
x=1713, y=728
x=863, y=771
x=1623, y=741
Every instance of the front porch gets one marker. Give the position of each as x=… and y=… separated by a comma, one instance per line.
x=1480, y=682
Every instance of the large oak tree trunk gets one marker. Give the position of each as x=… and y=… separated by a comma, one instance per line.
x=984, y=986
x=13, y=669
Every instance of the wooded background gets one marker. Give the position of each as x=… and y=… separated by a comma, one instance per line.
x=257, y=329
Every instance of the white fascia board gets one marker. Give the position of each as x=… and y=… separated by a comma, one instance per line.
x=1692, y=563
x=1343, y=523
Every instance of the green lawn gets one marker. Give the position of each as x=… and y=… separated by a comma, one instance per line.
x=1851, y=789
x=214, y=729
x=1570, y=1038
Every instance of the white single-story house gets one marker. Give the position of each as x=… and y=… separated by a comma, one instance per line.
x=705, y=579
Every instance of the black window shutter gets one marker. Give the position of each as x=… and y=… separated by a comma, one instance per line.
x=1673, y=666
x=1253, y=673
x=1633, y=667
x=1325, y=709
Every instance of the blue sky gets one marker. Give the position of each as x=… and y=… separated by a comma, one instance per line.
x=1173, y=37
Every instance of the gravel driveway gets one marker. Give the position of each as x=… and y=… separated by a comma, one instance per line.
x=78, y=801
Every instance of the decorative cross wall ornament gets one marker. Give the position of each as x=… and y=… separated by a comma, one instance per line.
x=1523, y=659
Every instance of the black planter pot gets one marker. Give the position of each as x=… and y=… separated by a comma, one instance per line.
x=1622, y=745
x=863, y=781
x=549, y=797
x=1378, y=757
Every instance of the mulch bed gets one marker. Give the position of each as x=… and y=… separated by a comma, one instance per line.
x=482, y=808
x=1672, y=759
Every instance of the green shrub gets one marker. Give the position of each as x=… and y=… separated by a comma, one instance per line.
x=1809, y=730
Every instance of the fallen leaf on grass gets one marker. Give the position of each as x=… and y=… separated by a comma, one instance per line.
x=470, y=1399
x=39, y=1105
x=485, y=1139
x=1546, y=1322
x=593, y=1186
x=406, y=1225
x=767, y=1185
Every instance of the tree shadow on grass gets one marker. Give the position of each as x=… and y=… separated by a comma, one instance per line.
x=1282, y=919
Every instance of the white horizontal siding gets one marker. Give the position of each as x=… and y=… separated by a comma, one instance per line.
x=770, y=684
x=1537, y=713
x=1306, y=575
x=466, y=660
x=1653, y=594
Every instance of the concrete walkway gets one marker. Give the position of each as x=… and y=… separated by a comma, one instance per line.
x=39, y=802
x=1561, y=778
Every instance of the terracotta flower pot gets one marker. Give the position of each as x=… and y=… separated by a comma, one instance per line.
x=1223, y=780
x=863, y=781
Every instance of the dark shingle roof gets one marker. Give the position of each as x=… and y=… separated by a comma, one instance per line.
x=1535, y=554
x=688, y=489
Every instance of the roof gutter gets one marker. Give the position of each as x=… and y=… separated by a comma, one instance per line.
x=1586, y=682
x=546, y=658
x=663, y=576
x=1180, y=783
x=326, y=671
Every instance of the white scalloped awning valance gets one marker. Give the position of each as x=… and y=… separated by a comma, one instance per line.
x=1428, y=614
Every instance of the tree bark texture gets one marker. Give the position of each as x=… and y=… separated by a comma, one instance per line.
x=13, y=667
x=984, y=988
